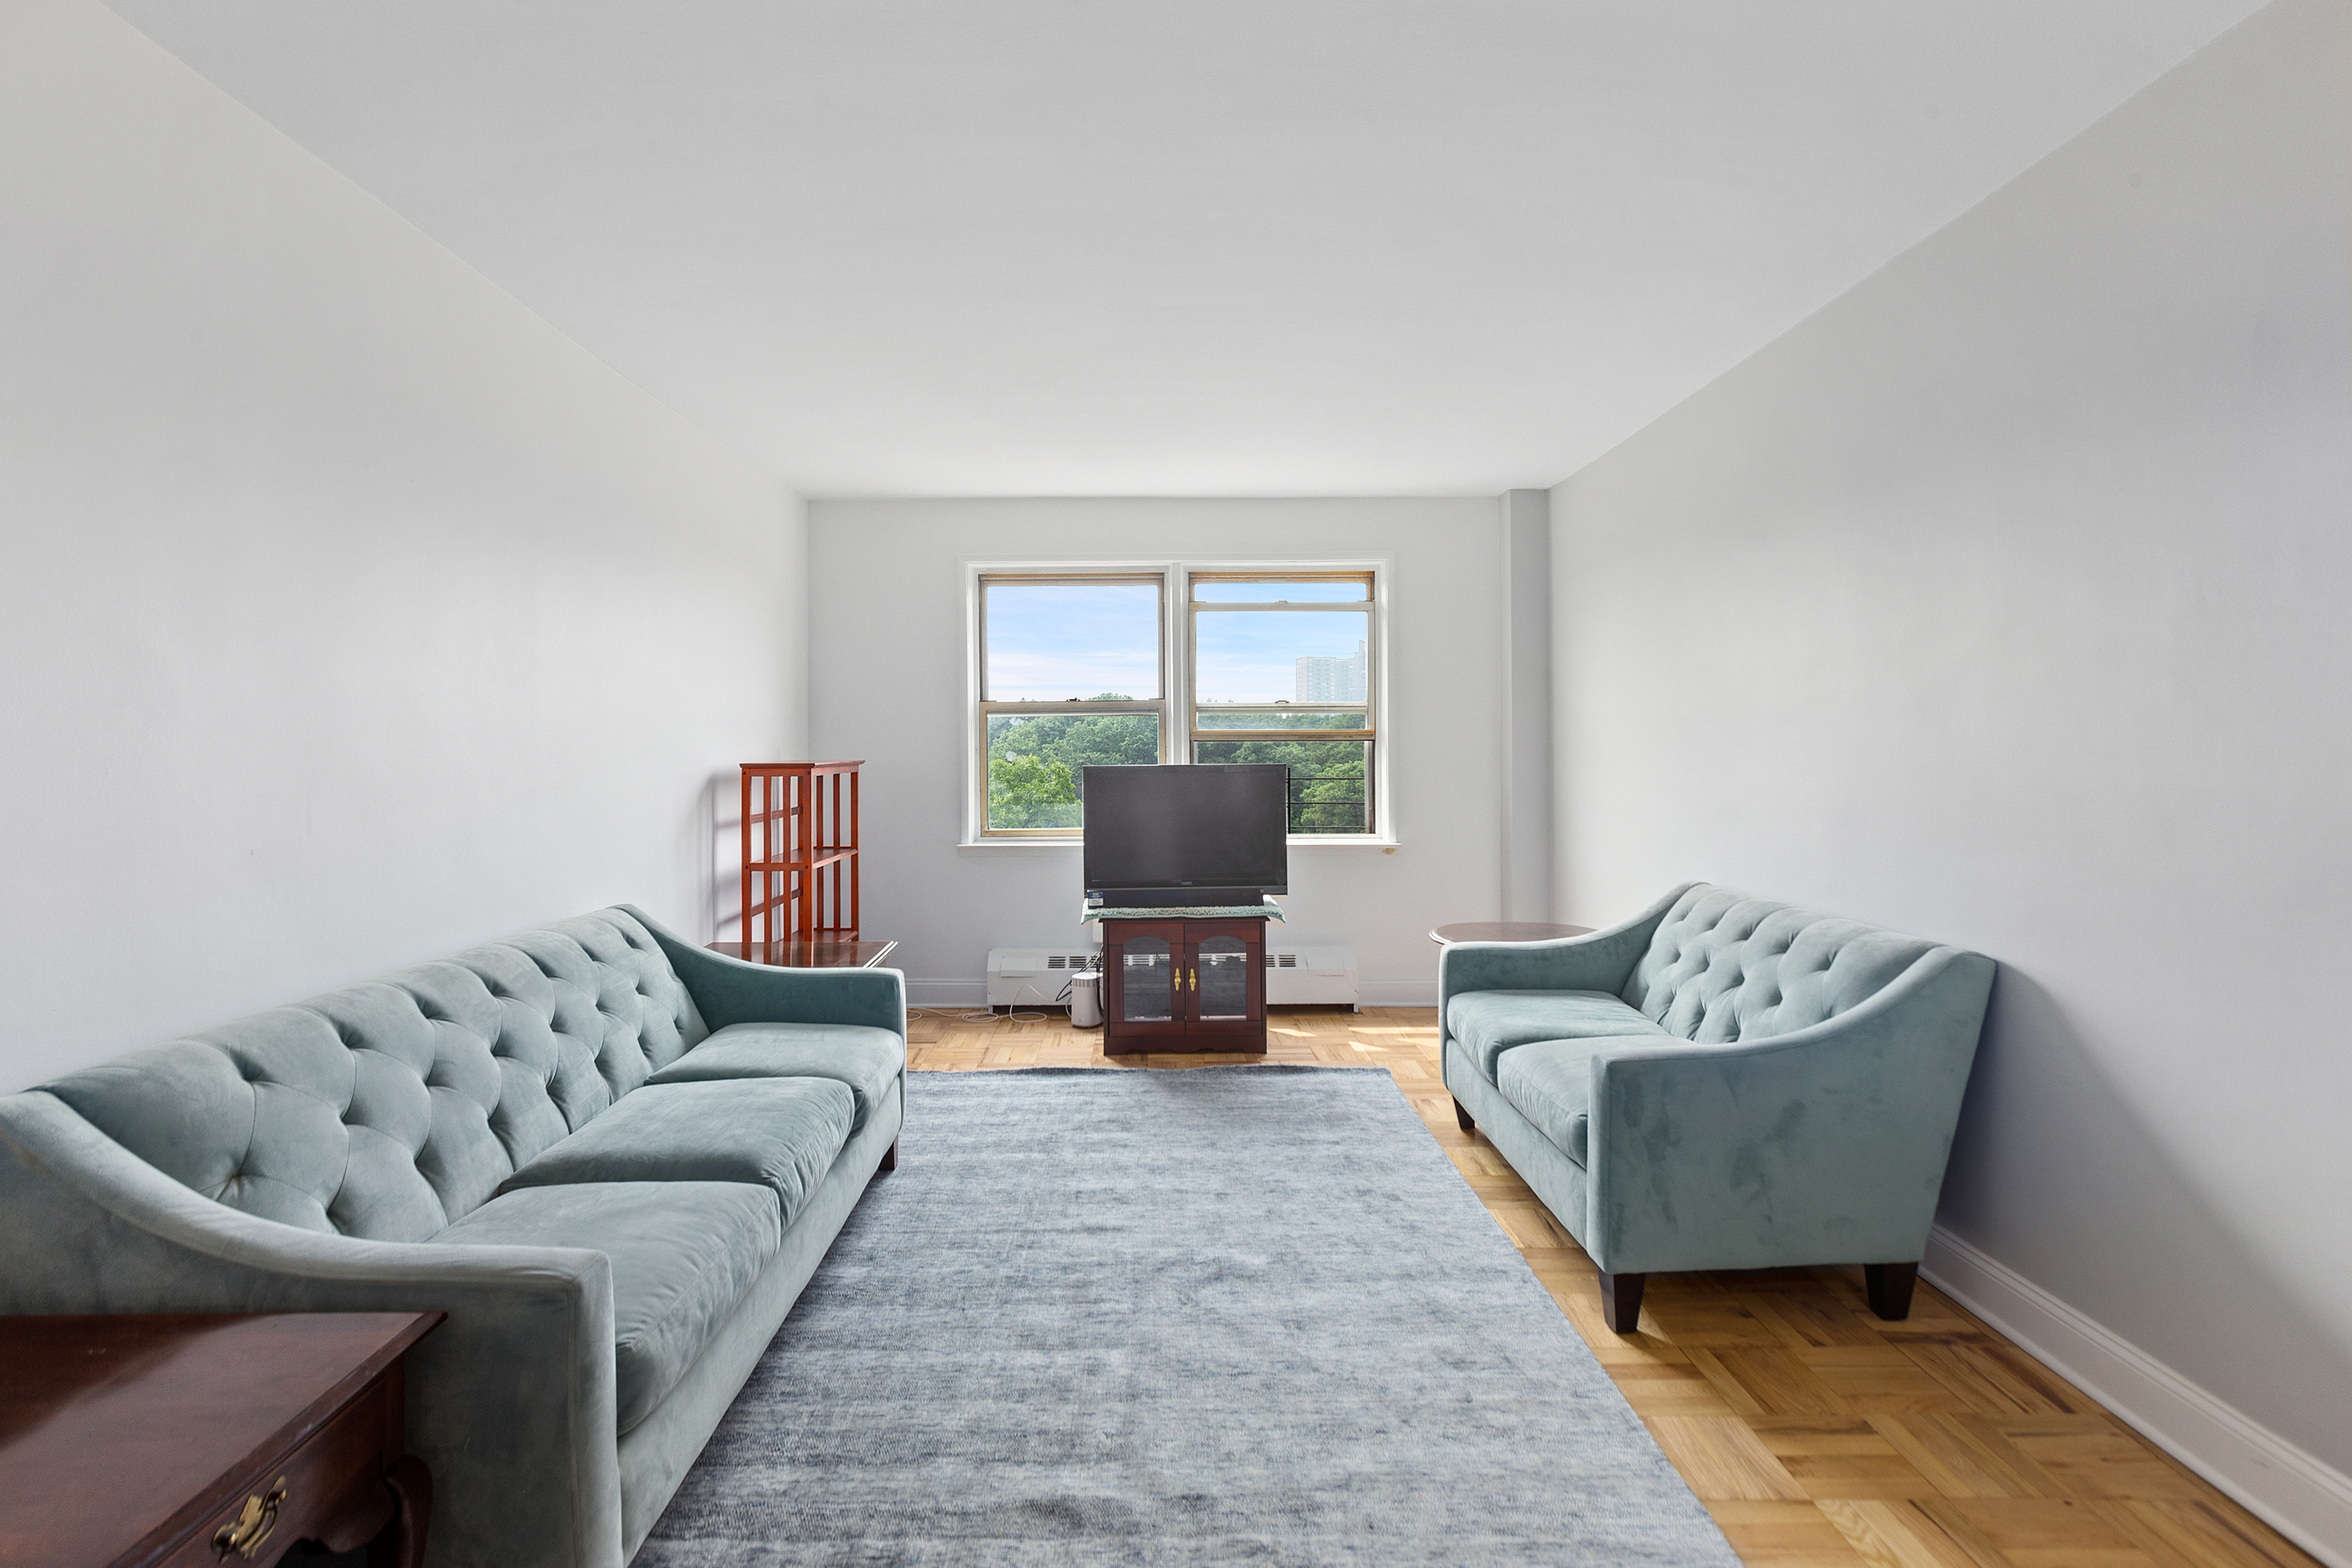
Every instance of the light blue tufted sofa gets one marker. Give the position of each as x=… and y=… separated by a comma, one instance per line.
x=611, y=1157
x=1721, y=1082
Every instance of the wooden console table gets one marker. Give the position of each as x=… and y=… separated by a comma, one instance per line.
x=169, y=1442
x=1184, y=985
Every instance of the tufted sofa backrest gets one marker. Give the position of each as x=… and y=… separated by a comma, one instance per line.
x=387, y=1110
x=1722, y=967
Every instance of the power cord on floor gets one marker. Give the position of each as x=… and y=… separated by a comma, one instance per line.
x=989, y=1015
x=979, y=1014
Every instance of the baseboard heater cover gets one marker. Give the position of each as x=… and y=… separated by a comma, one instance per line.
x=1033, y=976
x=1294, y=976
x=1301, y=976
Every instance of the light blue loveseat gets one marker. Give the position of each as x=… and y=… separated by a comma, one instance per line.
x=611, y=1157
x=1721, y=1082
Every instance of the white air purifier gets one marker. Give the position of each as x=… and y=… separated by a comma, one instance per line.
x=1086, y=999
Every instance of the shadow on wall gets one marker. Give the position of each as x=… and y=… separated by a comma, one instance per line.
x=722, y=847
x=2122, y=1232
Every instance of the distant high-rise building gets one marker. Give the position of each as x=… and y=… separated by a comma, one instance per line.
x=1321, y=679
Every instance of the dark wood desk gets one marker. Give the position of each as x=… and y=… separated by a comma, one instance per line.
x=824, y=954
x=1505, y=931
x=170, y=1442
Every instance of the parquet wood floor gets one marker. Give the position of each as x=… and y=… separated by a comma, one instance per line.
x=1818, y=1436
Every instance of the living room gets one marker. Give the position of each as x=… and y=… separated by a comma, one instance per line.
x=1925, y=505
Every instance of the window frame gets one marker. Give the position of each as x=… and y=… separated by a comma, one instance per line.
x=1369, y=732
x=1177, y=698
x=984, y=707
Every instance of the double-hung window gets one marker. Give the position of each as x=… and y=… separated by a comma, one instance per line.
x=1287, y=669
x=1070, y=675
x=1198, y=666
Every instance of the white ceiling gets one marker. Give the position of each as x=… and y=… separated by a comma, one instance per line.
x=1191, y=248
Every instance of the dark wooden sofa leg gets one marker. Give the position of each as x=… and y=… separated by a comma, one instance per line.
x=1889, y=1287
x=890, y=1156
x=1463, y=1117
x=1621, y=1301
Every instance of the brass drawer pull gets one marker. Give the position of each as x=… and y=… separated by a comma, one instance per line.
x=245, y=1535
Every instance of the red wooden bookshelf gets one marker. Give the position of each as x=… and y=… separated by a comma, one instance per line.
x=800, y=852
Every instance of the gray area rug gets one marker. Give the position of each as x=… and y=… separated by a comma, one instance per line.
x=1221, y=1316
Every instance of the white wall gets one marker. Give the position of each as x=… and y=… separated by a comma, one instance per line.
x=350, y=614
x=2005, y=602
x=887, y=663
x=1523, y=596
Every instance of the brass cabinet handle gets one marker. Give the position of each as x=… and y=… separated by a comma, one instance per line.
x=244, y=1534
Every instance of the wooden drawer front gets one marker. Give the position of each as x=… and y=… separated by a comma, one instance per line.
x=334, y=1485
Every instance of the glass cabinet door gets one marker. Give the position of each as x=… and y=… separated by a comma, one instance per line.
x=1167, y=981
x=1147, y=980
x=1220, y=979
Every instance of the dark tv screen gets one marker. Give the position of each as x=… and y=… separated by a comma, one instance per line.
x=1205, y=825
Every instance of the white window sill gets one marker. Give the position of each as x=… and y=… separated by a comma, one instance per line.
x=1053, y=846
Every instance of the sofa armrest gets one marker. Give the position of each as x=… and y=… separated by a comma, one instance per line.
x=1599, y=961
x=510, y=1400
x=733, y=991
x=1826, y=1145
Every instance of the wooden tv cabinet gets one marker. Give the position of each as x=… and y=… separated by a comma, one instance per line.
x=1183, y=985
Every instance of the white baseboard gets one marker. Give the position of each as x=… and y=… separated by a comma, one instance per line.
x=2304, y=1498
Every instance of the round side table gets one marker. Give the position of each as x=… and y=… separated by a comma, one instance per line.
x=1505, y=931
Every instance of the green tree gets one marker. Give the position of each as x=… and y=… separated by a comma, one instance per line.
x=1031, y=792
x=1327, y=789
x=1034, y=760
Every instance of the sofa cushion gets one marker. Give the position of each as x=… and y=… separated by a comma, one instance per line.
x=1722, y=967
x=1489, y=1023
x=1550, y=1082
x=683, y=1255
x=865, y=1058
x=780, y=1133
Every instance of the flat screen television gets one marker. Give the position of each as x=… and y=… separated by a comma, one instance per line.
x=1174, y=834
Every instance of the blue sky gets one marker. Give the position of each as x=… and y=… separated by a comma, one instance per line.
x=1046, y=643
x=1248, y=656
